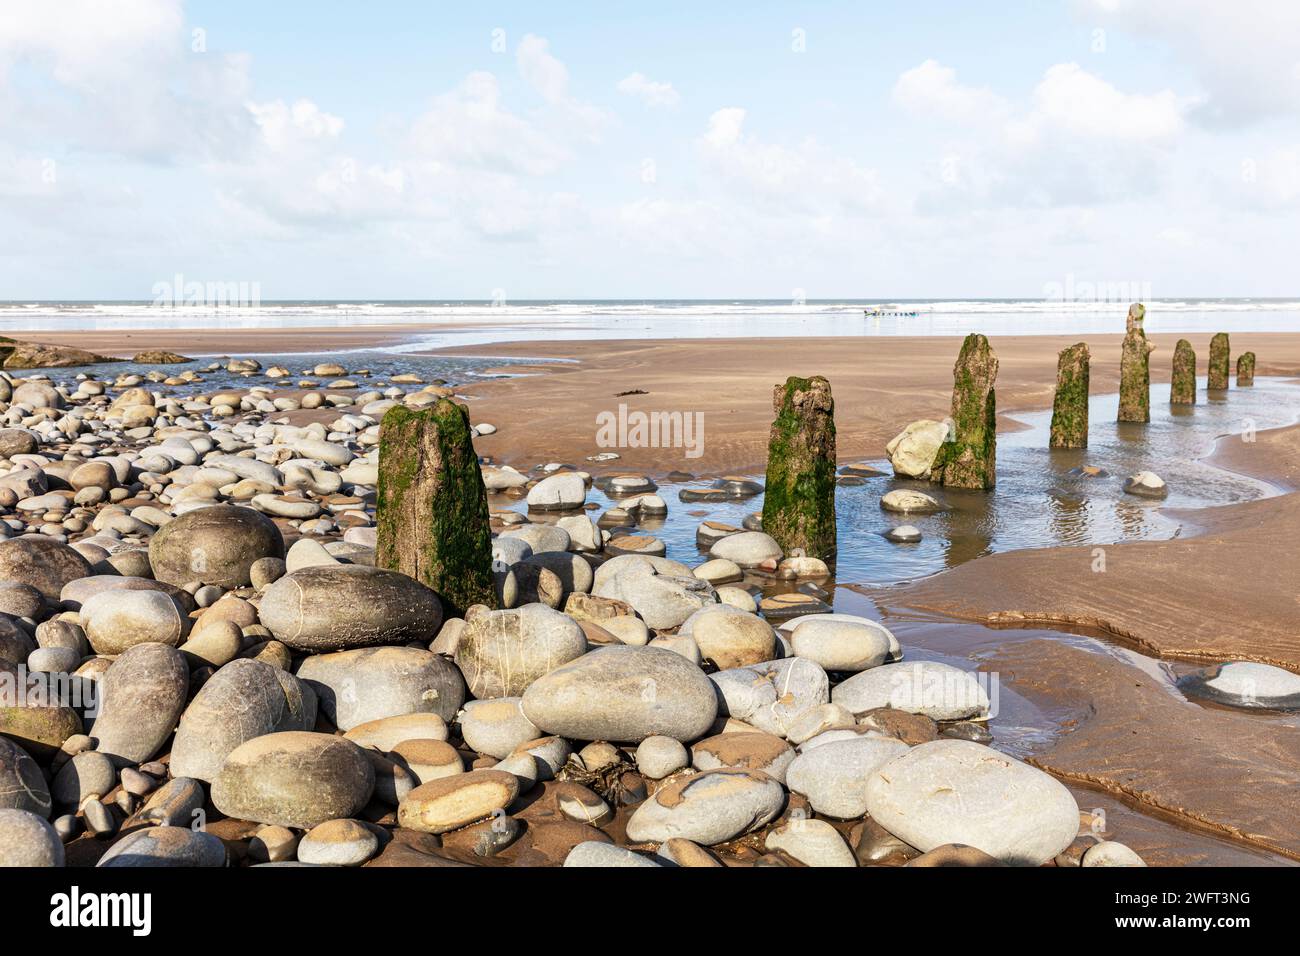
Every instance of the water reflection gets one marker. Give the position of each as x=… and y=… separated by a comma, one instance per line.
x=1038, y=502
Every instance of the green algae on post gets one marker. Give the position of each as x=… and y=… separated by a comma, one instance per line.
x=1245, y=369
x=1218, y=377
x=969, y=458
x=799, y=503
x=1070, y=407
x=1135, y=369
x=1182, y=389
x=431, y=510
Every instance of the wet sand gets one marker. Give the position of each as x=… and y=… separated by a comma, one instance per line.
x=1226, y=592
x=880, y=385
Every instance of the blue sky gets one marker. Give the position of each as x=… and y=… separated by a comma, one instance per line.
x=416, y=150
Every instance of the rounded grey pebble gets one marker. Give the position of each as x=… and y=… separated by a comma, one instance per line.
x=99, y=819
x=28, y=840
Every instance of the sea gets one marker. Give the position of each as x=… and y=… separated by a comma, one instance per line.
x=436, y=323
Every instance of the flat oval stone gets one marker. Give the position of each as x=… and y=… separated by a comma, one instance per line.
x=955, y=791
x=453, y=802
x=744, y=751
x=936, y=690
x=387, y=732
x=907, y=501
x=371, y=683
x=338, y=843
x=708, y=808
x=117, y=619
x=347, y=606
x=592, y=853
x=748, y=549
x=496, y=727
x=623, y=694
x=294, y=779
x=839, y=645
x=1246, y=684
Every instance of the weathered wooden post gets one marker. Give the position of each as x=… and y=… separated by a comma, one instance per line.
x=799, y=501
x=431, y=507
x=1070, y=407
x=1245, y=369
x=1182, y=388
x=969, y=459
x=1135, y=369
x=1218, y=377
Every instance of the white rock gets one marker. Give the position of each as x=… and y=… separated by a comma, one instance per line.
x=957, y=791
x=936, y=690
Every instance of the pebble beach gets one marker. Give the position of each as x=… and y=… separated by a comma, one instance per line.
x=260, y=612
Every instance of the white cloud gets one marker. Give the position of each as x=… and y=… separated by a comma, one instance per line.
x=470, y=126
x=932, y=89
x=652, y=93
x=806, y=176
x=1244, y=53
x=1078, y=139
x=123, y=78
x=1079, y=103
x=283, y=127
x=543, y=72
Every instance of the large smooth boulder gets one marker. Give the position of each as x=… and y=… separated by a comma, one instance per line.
x=214, y=545
x=117, y=619
x=913, y=450
x=623, y=694
x=502, y=652
x=42, y=563
x=294, y=779
x=141, y=697
x=957, y=791
x=347, y=606
x=244, y=699
x=358, y=686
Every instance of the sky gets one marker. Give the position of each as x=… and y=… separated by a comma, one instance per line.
x=417, y=150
